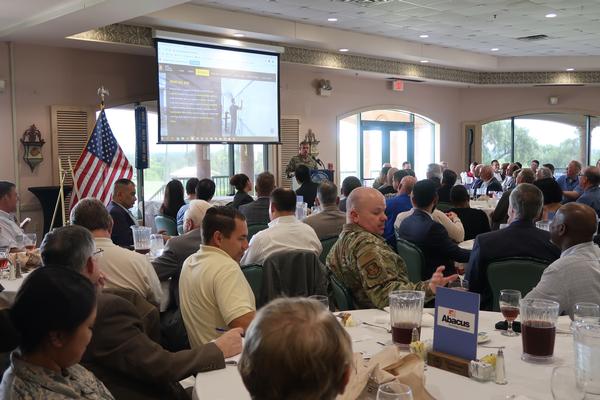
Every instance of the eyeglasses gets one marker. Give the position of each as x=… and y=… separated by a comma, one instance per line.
x=98, y=253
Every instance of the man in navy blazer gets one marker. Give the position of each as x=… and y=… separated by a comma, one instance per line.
x=520, y=239
x=123, y=199
x=430, y=236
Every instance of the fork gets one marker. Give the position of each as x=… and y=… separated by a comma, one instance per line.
x=378, y=326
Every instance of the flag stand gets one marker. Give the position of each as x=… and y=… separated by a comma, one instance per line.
x=61, y=195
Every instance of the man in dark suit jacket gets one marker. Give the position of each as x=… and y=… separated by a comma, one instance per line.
x=123, y=199
x=500, y=214
x=257, y=212
x=308, y=188
x=124, y=352
x=430, y=236
x=520, y=239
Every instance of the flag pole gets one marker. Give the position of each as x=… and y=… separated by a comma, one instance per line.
x=75, y=188
x=61, y=178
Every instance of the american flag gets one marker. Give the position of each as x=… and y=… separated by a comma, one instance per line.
x=101, y=163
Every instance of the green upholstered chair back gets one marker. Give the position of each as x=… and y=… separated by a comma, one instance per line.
x=165, y=224
x=341, y=294
x=254, y=276
x=252, y=229
x=518, y=273
x=444, y=207
x=327, y=244
x=413, y=258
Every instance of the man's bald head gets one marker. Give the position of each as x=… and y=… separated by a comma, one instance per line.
x=407, y=184
x=366, y=208
x=574, y=223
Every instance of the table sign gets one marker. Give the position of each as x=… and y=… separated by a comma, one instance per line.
x=456, y=323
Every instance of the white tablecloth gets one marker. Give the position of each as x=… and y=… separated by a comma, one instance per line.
x=531, y=380
x=7, y=296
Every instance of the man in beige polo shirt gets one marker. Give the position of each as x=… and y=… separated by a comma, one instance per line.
x=214, y=295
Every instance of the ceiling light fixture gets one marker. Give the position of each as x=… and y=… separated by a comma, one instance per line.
x=423, y=36
x=343, y=50
x=570, y=69
x=239, y=35
x=495, y=49
x=551, y=15
x=332, y=19
x=424, y=61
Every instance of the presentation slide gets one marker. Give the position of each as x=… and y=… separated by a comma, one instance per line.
x=212, y=94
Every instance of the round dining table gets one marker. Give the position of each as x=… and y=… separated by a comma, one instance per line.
x=525, y=380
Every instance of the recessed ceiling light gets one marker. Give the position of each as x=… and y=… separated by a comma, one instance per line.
x=494, y=49
x=239, y=35
x=332, y=19
x=423, y=36
x=343, y=50
x=424, y=61
x=551, y=15
x=570, y=69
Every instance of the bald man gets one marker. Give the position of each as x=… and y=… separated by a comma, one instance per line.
x=490, y=183
x=397, y=204
x=362, y=260
x=589, y=181
x=575, y=276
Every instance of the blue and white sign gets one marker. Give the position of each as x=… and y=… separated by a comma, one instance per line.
x=456, y=323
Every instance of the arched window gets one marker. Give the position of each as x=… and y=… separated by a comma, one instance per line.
x=368, y=139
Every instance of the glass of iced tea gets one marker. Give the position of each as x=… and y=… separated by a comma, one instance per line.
x=30, y=241
x=406, y=311
x=509, y=306
x=538, y=329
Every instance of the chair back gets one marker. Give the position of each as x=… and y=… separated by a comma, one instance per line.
x=443, y=206
x=413, y=258
x=518, y=273
x=254, y=276
x=180, y=229
x=341, y=294
x=252, y=229
x=327, y=244
x=166, y=224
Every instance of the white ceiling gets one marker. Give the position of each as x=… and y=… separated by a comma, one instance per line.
x=472, y=25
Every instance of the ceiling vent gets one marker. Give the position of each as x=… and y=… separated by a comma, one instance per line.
x=366, y=2
x=533, y=38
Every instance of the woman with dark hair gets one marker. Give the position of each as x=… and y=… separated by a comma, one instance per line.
x=243, y=185
x=173, y=199
x=54, y=312
x=553, y=195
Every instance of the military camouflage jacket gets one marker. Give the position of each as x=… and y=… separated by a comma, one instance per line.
x=24, y=381
x=298, y=160
x=367, y=266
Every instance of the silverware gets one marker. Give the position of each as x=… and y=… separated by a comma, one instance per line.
x=388, y=330
x=492, y=347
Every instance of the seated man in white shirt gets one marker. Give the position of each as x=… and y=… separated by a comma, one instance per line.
x=575, y=276
x=123, y=268
x=285, y=232
x=9, y=230
x=214, y=295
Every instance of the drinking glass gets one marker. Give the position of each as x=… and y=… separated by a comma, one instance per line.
x=564, y=384
x=406, y=312
x=538, y=329
x=324, y=300
x=30, y=241
x=394, y=391
x=157, y=245
x=587, y=357
x=586, y=313
x=4, y=262
x=509, y=305
x=141, y=238
x=459, y=284
x=543, y=225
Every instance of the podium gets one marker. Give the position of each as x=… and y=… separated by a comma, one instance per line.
x=48, y=195
x=319, y=175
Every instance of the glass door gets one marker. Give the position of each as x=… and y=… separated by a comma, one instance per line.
x=385, y=142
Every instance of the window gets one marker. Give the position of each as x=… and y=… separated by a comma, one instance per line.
x=168, y=161
x=550, y=138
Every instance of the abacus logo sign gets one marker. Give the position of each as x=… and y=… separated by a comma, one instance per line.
x=456, y=319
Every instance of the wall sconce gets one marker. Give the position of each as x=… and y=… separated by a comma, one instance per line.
x=324, y=88
x=32, y=144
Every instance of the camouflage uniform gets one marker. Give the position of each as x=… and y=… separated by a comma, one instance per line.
x=24, y=381
x=367, y=266
x=298, y=160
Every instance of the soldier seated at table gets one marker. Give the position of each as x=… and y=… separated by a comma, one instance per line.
x=312, y=352
x=362, y=260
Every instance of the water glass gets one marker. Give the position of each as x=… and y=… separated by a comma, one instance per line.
x=459, y=284
x=586, y=338
x=30, y=241
x=543, y=225
x=564, y=384
x=509, y=306
x=538, y=329
x=157, y=245
x=406, y=312
x=324, y=300
x=586, y=313
x=4, y=262
x=394, y=391
x=141, y=238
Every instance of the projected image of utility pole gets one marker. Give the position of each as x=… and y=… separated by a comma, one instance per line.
x=233, y=114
